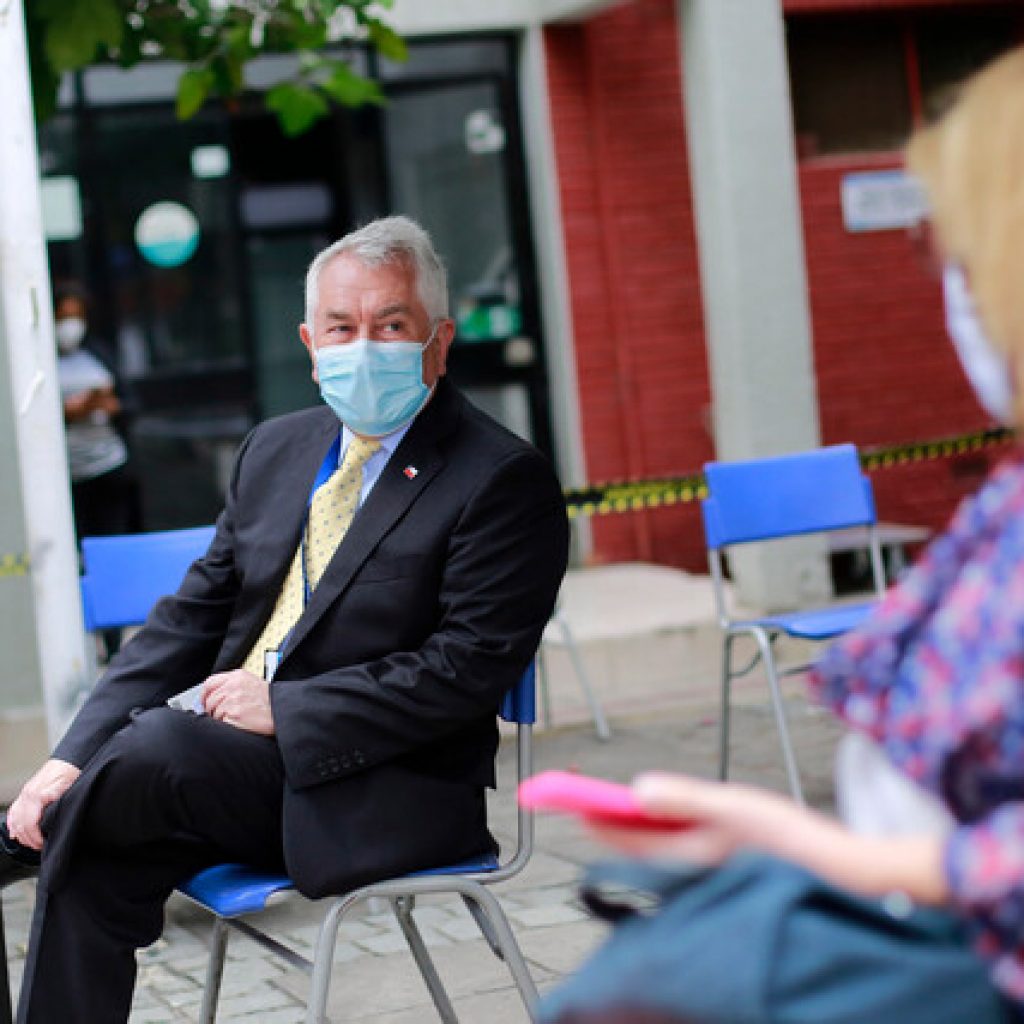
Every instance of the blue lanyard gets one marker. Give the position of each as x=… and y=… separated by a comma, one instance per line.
x=323, y=474
x=272, y=659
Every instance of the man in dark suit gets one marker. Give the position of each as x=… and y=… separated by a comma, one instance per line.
x=349, y=724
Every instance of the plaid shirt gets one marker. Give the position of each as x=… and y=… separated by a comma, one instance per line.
x=936, y=676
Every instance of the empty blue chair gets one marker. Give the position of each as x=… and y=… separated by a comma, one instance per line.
x=769, y=499
x=234, y=892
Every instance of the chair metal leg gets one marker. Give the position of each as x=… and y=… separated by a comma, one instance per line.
x=323, y=959
x=764, y=645
x=506, y=942
x=6, y=1013
x=723, y=729
x=545, y=689
x=402, y=906
x=483, y=922
x=214, y=970
x=596, y=712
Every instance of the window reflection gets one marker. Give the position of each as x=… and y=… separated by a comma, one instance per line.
x=446, y=165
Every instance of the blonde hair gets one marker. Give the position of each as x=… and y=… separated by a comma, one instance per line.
x=971, y=162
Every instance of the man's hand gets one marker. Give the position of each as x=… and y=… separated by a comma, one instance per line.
x=48, y=784
x=240, y=699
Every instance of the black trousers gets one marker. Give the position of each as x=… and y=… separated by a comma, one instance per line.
x=169, y=794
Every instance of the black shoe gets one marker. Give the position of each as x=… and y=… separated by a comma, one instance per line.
x=16, y=861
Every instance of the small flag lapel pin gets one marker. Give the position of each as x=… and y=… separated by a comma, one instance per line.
x=410, y=472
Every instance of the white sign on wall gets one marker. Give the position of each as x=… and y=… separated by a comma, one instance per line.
x=882, y=201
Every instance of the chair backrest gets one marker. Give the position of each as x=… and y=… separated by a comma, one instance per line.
x=806, y=492
x=126, y=574
x=519, y=707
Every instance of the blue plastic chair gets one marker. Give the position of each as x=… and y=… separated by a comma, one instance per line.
x=126, y=574
x=232, y=892
x=124, y=577
x=769, y=499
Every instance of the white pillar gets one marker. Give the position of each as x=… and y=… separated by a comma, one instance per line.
x=753, y=272
x=41, y=631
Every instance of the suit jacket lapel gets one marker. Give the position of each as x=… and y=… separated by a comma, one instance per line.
x=271, y=558
x=392, y=495
x=292, y=486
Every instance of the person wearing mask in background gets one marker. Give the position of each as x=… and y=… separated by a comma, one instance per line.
x=930, y=779
x=102, y=487
x=104, y=492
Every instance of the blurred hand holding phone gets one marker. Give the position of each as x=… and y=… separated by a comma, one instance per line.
x=596, y=801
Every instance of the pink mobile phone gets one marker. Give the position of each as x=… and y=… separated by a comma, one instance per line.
x=596, y=800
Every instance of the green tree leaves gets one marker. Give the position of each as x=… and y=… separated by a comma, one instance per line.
x=348, y=88
x=76, y=30
x=193, y=88
x=297, y=106
x=388, y=42
x=215, y=40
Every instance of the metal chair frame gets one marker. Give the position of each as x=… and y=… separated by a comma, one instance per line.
x=6, y=1010
x=842, y=463
x=568, y=640
x=401, y=894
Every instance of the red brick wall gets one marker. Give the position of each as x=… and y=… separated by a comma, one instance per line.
x=617, y=109
x=886, y=372
x=879, y=341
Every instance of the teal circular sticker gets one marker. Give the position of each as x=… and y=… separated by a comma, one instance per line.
x=167, y=234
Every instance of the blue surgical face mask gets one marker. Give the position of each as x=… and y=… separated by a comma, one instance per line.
x=985, y=367
x=374, y=387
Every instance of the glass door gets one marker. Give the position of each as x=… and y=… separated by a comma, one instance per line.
x=194, y=238
x=165, y=270
x=454, y=163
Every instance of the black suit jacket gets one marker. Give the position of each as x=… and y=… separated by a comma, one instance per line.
x=384, y=701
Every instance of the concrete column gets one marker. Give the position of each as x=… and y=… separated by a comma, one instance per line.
x=753, y=274
x=549, y=238
x=41, y=631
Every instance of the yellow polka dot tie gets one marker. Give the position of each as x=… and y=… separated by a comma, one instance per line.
x=330, y=514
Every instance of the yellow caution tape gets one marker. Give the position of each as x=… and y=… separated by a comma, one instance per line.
x=14, y=565
x=925, y=451
x=658, y=492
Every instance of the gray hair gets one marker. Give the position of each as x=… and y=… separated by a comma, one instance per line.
x=388, y=240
